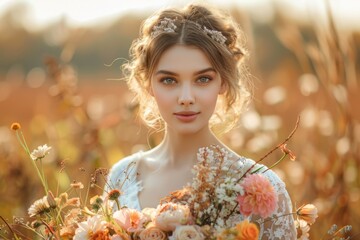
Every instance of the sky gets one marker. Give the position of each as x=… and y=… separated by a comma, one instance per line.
x=93, y=12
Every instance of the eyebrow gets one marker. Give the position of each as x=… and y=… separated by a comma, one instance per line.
x=209, y=69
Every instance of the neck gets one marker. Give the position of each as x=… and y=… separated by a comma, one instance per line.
x=181, y=149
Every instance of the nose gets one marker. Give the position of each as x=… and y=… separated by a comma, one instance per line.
x=186, y=96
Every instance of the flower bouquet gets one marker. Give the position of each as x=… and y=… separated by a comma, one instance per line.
x=217, y=204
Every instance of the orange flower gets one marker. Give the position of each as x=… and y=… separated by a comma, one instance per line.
x=114, y=194
x=247, y=231
x=307, y=213
x=100, y=235
x=285, y=150
x=15, y=126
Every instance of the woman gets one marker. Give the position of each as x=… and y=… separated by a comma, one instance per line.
x=187, y=74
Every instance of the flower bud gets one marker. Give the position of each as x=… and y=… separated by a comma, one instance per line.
x=114, y=194
x=51, y=200
x=15, y=126
x=307, y=213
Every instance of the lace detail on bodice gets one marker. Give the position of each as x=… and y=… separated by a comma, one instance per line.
x=281, y=224
x=278, y=226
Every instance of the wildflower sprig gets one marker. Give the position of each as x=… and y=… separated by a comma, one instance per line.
x=338, y=233
x=36, y=156
x=48, y=208
x=282, y=147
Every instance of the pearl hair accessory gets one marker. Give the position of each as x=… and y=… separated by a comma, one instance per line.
x=165, y=25
x=168, y=25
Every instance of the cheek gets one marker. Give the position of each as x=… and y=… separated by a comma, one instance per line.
x=163, y=99
x=210, y=97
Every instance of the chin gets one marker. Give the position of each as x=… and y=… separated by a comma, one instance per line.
x=187, y=130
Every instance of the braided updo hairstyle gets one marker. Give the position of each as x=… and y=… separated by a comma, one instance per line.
x=226, y=58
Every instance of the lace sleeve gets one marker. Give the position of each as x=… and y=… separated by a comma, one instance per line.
x=281, y=224
x=122, y=176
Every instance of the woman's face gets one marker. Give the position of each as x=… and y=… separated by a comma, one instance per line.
x=185, y=87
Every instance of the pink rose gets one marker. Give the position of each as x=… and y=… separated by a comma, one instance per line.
x=187, y=232
x=259, y=198
x=170, y=215
x=130, y=220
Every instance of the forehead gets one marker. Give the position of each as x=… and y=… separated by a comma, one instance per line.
x=183, y=58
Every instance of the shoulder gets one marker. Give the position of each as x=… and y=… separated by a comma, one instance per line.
x=124, y=162
x=125, y=165
x=265, y=171
x=284, y=200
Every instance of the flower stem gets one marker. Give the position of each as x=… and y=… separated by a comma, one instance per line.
x=22, y=141
x=50, y=230
x=117, y=203
x=15, y=236
x=272, y=150
x=276, y=163
x=276, y=217
x=43, y=176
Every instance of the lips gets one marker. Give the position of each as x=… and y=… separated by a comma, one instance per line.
x=186, y=116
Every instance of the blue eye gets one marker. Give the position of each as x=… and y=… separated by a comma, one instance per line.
x=168, y=81
x=203, y=80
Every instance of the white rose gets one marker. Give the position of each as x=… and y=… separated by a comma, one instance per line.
x=170, y=215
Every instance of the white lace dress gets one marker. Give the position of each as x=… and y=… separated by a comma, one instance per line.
x=125, y=179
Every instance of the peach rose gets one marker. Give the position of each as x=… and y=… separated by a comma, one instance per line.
x=187, y=232
x=247, y=231
x=149, y=213
x=308, y=213
x=120, y=236
x=67, y=232
x=130, y=220
x=169, y=215
x=152, y=233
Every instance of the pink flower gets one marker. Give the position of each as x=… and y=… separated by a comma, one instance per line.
x=259, y=198
x=130, y=220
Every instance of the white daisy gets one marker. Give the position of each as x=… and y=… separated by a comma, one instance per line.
x=39, y=207
x=40, y=152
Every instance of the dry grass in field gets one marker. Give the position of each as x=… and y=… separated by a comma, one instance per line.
x=92, y=125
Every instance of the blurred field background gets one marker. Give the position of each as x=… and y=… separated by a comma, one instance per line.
x=63, y=85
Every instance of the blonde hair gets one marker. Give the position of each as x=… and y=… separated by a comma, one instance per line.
x=226, y=58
